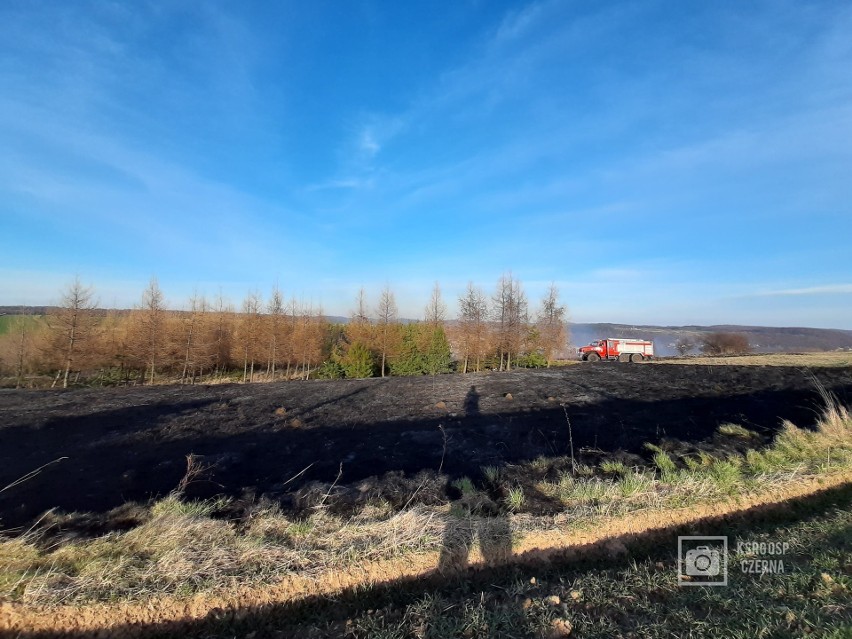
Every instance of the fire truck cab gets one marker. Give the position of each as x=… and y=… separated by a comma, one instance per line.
x=623, y=349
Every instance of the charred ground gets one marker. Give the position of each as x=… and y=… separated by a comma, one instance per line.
x=126, y=445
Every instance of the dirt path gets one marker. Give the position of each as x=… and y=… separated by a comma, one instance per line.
x=608, y=535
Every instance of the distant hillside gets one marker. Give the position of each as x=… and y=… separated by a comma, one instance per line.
x=25, y=310
x=763, y=339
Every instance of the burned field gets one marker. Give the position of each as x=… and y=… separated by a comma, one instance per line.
x=286, y=441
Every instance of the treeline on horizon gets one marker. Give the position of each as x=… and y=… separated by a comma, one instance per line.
x=276, y=339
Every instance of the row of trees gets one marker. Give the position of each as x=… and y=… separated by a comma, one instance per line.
x=150, y=341
x=276, y=338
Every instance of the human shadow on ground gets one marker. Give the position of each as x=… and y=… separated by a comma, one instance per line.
x=465, y=525
x=494, y=534
x=471, y=403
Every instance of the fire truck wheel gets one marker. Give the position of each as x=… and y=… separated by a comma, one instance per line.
x=636, y=357
x=624, y=357
x=593, y=357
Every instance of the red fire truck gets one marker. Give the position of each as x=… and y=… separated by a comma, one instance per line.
x=624, y=349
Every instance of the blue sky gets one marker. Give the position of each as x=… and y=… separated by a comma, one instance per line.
x=662, y=162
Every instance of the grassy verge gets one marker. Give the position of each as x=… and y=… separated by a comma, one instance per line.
x=184, y=548
x=812, y=597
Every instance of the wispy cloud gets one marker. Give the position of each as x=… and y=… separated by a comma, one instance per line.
x=341, y=184
x=517, y=23
x=825, y=289
x=367, y=143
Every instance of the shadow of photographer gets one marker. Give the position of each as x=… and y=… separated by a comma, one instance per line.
x=494, y=533
x=475, y=517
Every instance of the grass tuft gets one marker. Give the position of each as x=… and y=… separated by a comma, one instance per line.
x=491, y=474
x=174, y=506
x=726, y=475
x=611, y=467
x=667, y=466
x=634, y=483
x=735, y=430
x=464, y=485
x=515, y=498
x=540, y=464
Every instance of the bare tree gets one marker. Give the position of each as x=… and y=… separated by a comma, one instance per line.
x=360, y=327
x=249, y=332
x=387, y=317
x=222, y=337
x=73, y=323
x=473, y=326
x=511, y=316
x=436, y=310
x=518, y=322
x=361, y=312
x=150, y=337
x=292, y=334
x=551, y=324
x=310, y=336
x=275, y=310
x=191, y=325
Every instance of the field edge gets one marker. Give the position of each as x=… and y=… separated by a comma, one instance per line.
x=606, y=534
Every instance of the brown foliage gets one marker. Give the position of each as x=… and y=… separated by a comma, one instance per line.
x=147, y=335
x=249, y=343
x=471, y=335
x=72, y=327
x=268, y=340
x=551, y=325
x=388, y=336
x=511, y=319
x=725, y=344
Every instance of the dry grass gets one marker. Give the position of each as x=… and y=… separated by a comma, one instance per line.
x=181, y=550
x=176, y=554
x=325, y=540
x=184, y=553
x=816, y=360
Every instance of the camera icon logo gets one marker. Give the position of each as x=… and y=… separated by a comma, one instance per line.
x=703, y=561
